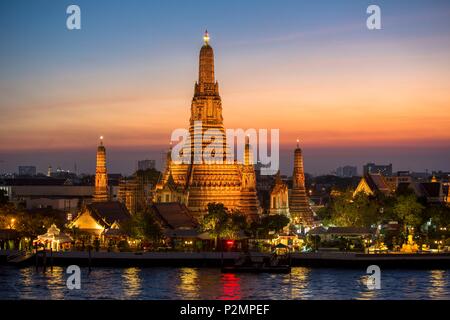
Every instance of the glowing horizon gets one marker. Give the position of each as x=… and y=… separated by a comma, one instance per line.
x=331, y=83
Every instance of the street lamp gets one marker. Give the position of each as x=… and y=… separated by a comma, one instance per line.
x=366, y=243
x=439, y=243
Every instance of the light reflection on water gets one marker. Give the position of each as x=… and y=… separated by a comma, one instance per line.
x=438, y=283
x=210, y=283
x=231, y=286
x=299, y=277
x=131, y=283
x=188, y=285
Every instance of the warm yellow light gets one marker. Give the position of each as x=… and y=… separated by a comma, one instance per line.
x=206, y=37
x=101, y=137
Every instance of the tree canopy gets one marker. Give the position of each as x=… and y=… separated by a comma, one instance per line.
x=408, y=210
x=346, y=210
x=143, y=226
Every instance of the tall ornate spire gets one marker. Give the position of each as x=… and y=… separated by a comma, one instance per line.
x=248, y=152
x=205, y=180
x=206, y=65
x=299, y=173
x=101, y=175
x=249, y=198
x=298, y=202
x=206, y=106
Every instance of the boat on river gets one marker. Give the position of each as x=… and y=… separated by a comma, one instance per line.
x=259, y=264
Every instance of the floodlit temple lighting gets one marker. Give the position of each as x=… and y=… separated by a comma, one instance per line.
x=206, y=37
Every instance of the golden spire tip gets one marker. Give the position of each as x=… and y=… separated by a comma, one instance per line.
x=206, y=37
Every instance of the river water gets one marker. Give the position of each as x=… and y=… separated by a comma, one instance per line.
x=210, y=283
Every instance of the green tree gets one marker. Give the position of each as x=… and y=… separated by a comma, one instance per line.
x=347, y=210
x=325, y=215
x=439, y=215
x=261, y=228
x=143, y=226
x=29, y=223
x=386, y=207
x=409, y=211
x=220, y=223
x=32, y=224
x=215, y=222
x=239, y=221
x=275, y=222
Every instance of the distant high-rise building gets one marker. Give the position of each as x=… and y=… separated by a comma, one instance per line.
x=146, y=164
x=347, y=171
x=372, y=168
x=101, y=176
x=49, y=171
x=27, y=170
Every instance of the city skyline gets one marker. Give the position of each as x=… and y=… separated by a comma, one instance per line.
x=351, y=95
x=86, y=162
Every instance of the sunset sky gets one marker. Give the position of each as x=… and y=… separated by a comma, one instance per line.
x=309, y=68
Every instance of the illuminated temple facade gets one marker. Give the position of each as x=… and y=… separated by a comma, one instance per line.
x=299, y=207
x=279, y=197
x=101, y=175
x=198, y=182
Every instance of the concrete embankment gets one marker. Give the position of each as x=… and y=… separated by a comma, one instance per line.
x=124, y=259
x=216, y=259
x=360, y=260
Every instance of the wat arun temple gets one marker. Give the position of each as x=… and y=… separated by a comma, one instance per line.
x=232, y=183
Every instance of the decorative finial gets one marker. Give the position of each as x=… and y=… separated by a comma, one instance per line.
x=101, y=140
x=206, y=37
x=298, y=140
x=247, y=139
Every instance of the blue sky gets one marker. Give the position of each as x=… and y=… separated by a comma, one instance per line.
x=56, y=86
